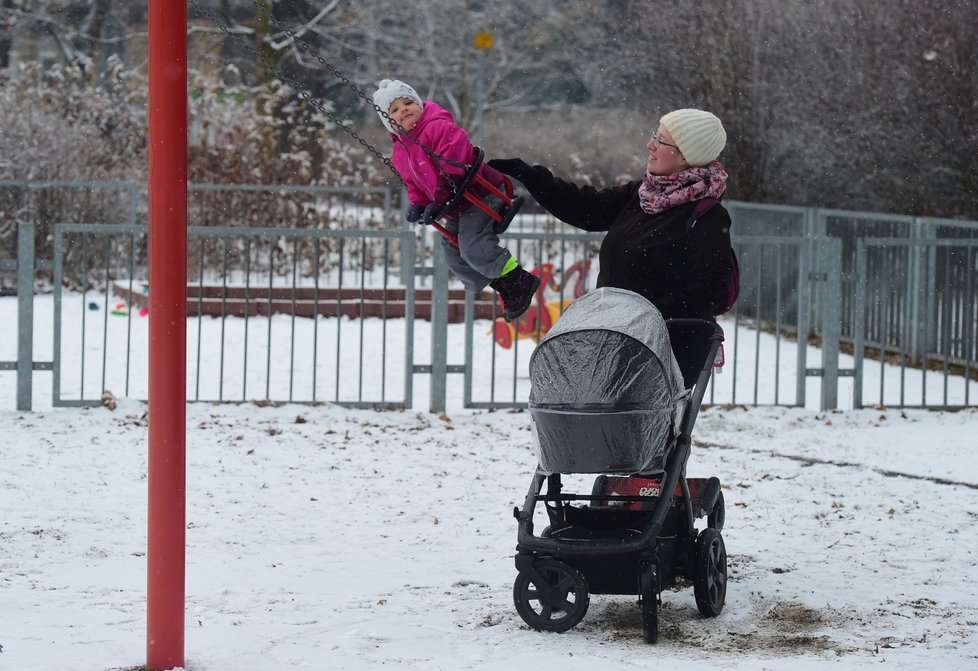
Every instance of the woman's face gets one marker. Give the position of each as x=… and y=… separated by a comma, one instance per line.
x=405, y=112
x=664, y=156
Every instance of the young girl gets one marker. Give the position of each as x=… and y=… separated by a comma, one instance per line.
x=479, y=260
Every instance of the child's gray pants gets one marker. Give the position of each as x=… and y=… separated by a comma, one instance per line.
x=479, y=258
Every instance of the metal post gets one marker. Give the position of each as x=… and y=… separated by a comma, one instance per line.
x=483, y=42
x=928, y=253
x=921, y=285
x=25, y=314
x=409, y=279
x=859, y=325
x=166, y=549
x=439, y=329
x=829, y=266
x=804, y=314
x=815, y=223
x=407, y=251
x=469, y=348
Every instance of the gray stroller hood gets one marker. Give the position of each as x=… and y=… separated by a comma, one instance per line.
x=606, y=392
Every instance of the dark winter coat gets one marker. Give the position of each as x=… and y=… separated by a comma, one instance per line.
x=683, y=275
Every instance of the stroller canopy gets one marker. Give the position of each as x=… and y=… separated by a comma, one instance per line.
x=606, y=392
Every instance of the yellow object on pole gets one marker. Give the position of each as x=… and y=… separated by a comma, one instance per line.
x=483, y=41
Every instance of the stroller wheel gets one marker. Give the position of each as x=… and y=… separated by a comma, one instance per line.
x=551, y=595
x=710, y=581
x=649, y=586
x=718, y=515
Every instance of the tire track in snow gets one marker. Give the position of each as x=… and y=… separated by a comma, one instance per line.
x=809, y=461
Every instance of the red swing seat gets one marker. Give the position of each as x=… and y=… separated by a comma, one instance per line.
x=501, y=217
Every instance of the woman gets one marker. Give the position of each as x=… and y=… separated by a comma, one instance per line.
x=650, y=248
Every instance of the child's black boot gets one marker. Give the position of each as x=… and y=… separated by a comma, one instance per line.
x=516, y=288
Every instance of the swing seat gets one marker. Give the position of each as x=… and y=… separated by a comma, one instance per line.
x=501, y=216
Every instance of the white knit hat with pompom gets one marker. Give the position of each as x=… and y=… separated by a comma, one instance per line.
x=390, y=90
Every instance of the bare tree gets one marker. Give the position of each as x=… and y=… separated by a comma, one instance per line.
x=8, y=24
x=86, y=33
x=430, y=43
x=826, y=102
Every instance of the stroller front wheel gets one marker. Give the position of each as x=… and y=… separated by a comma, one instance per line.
x=649, y=601
x=710, y=581
x=551, y=595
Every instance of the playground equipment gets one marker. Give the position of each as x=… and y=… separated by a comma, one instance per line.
x=539, y=319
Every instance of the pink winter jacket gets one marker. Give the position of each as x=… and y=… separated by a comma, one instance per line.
x=425, y=184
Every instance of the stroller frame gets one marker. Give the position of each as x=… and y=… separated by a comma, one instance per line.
x=645, y=551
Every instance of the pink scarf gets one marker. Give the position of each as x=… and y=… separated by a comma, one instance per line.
x=659, y=193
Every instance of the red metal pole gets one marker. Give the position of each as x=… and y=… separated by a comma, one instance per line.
x=166, y=547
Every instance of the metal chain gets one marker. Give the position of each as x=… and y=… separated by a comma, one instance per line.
x=304, y=94
x=310, y=50
x=299, y=88
x=435, y=157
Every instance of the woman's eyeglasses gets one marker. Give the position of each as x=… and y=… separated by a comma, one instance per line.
x=657, y=141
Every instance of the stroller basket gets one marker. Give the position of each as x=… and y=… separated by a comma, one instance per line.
x=606, y=393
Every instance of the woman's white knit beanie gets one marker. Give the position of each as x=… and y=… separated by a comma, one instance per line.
x=698, y=134
x=390, y=90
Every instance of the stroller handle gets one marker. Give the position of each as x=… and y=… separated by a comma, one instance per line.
x=712, y=329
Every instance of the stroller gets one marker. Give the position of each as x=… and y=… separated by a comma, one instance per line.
x=608, y=397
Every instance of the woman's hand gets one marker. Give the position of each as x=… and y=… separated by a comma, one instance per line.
x=517, y=168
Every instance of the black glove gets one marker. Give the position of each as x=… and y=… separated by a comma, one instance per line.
x=428, y=218
x=517, y=168
x=414, y=213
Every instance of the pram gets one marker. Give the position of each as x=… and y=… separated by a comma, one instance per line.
x=607, y=397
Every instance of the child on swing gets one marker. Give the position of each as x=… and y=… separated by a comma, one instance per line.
x=479, y=260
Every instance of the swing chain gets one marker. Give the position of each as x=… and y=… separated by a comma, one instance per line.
x=299, y=88
x=436, y=159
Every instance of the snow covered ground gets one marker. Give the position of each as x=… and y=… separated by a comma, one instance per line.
x=327, y=538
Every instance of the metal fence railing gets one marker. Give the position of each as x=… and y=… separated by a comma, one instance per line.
x=281, y=317
x=287, y=286
x=765, y=364
x=917, y=302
